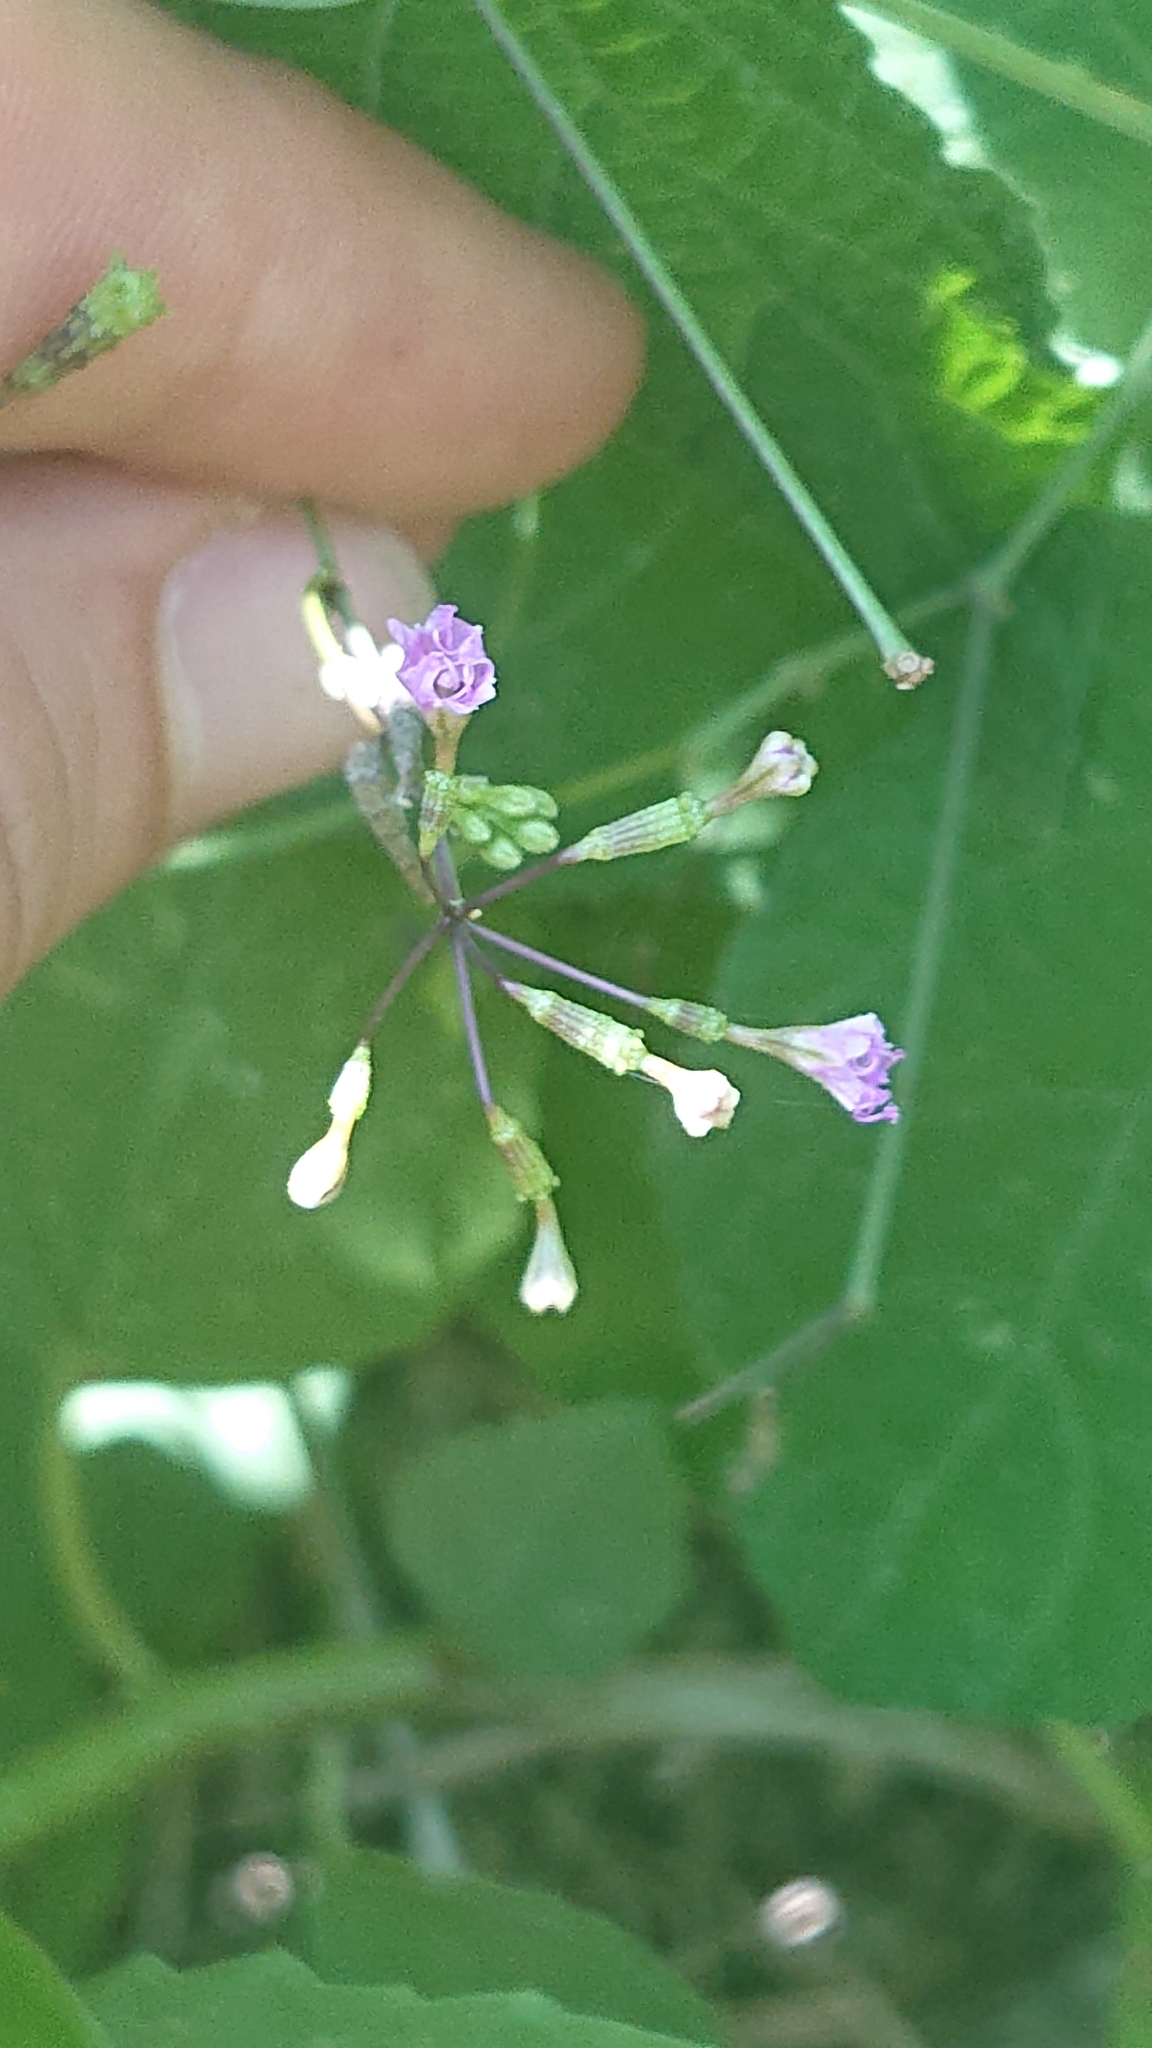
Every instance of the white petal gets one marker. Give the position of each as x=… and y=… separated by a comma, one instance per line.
x=318, y=1174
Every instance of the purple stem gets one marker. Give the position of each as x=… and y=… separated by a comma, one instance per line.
x=520, y=879
x=561, y=967
x=408, y=967
x=468, y=1012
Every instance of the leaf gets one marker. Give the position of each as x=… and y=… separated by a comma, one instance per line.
x=37, y=2008
x=183, y=1045
x=1092, y=188
x=959, y=1517
x=550, y=1547
x=376, y=1919
x=273, y=2001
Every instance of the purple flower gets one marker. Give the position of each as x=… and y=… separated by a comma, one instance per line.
x=852, y=1060
x=445, y=667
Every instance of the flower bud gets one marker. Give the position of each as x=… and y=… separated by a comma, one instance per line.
x=319, y=1173
x=781, y=766
x=615, y=1046
x=530, y=1173
x=703, y=1099
x=549, y=1280
x=674, y=822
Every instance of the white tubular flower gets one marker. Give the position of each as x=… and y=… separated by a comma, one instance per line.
x=703, y=1099
x=365, y=677
x=549, y=1277
x=781, y=766
x=319, y=1173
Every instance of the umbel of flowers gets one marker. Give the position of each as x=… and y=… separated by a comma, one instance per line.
x=420, y=689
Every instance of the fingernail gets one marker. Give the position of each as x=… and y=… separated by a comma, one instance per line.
x=246, y=715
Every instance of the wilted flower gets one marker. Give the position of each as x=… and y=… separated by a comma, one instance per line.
x=318, y=1174
x=851, y=1059
x=781, y=766
x=444, y=666
x=549, y=1277
x=364, y=676
x=703, y=1099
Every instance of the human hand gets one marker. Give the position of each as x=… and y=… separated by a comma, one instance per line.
x=348, y=322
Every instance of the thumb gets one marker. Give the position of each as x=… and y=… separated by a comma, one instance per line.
x=154, y=675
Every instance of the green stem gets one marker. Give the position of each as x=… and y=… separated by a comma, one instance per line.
x=995, y=579
x=1123, y=1814
x=102, y=1625
x=1068, y=84
x=891, y=643
x=862, y=1284
x=186, y=1717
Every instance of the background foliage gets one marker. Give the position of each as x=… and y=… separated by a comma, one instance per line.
x=945, y=1513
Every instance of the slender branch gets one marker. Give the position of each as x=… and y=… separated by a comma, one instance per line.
x=800, y=1348
x=561, y=967
x=927, y=960
x=468, y=1012
x=520, y=880
x=403, y=973
x=184, y=1717
x=105, y=1630
x=1068, y=84
x=891, y=643
x=993, y=581
x=1125, y=1816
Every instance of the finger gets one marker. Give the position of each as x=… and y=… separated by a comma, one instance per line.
x=347, y=319
x=154, y=675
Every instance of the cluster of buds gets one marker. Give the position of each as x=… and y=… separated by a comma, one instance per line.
x=426, y=683
x=500, y=822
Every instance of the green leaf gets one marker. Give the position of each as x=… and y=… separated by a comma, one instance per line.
x=182, y=1047
x=551, y=1547
x=376, y=1919
x=273, y=2001
x=37, y=2008
x=959, y=1514
x=1092, y=188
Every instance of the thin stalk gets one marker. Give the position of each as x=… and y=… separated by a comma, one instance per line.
x=891, y=643
x=336, y=592
x=105, y=1630
x=185, y=1717
x=561, y=967
x=994, y=580
x=1124, y=1815
x=802, y=1346
x=519, y=880
x=1070, y=85
x=403, y=973
x=468, y=1012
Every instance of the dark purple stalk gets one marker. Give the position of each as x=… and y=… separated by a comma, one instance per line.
x=561, y=967
x=468, y=1012
x=519, y=880
x=408, y=967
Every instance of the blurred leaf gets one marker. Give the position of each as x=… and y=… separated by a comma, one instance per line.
x=376, y=1920
x=551, y=1547
x=68, y=1892
x=37, y=2009
x=183, y=1045
x=272, y=2001
x=959, y=1517
x=1092, y=188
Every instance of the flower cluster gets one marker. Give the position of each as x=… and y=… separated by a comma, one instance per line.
x=428, y=680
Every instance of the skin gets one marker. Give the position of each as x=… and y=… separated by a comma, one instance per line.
x=430, y=359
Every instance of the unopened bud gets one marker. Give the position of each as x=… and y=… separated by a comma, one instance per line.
x=909, y=669
x=352, y=1087
x=549, y=1280
x=615, y=1046
x=674, y=822
x=781, y=766
x=529, y=1171
x=319, y=1173
x=799, y=1913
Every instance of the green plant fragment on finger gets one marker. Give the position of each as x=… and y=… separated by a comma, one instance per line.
x=376, y=1919
x=119, y=304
